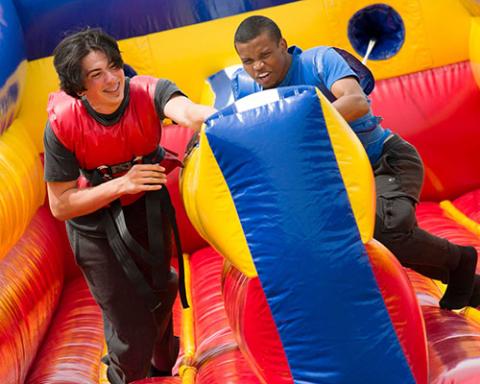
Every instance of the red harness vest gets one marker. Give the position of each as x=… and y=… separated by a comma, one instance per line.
x=137, y=133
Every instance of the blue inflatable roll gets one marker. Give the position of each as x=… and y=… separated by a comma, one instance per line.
x=12, y=77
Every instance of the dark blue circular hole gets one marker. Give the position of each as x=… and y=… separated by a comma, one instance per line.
x=380, y=22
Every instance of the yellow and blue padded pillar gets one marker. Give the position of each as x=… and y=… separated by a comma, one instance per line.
x=273, y=187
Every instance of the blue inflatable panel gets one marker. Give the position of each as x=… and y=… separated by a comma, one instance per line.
x=45, y=22
x=223, y=86
x=220, y=84
x=277, y=159
x=12, y=51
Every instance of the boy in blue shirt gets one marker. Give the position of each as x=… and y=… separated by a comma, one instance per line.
x=397, y=166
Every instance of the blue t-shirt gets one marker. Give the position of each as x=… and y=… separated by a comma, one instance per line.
x=321, y=67
x=327, y=65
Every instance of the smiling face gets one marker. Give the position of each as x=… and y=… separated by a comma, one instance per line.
x=265, y=59
x=104, y=82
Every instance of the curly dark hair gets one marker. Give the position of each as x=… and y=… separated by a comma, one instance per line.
x=253, y=26
x=68, y=55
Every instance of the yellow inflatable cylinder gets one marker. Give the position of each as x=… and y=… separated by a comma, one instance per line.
x=21, y=178
x=475, y=48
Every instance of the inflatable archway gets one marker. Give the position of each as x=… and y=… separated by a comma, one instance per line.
x=289, y=305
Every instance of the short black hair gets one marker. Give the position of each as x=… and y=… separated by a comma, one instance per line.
x=68, y=55
x=254, y=26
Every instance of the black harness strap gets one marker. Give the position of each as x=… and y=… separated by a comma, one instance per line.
x=124, y=258
x=170, y=210
x=123, y=243
x=154, y=203
x=133, y=245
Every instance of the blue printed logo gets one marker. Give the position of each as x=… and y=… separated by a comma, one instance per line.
x=3, y=23
x=8, y=101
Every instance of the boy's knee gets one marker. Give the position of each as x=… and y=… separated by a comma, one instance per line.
x=395, y=218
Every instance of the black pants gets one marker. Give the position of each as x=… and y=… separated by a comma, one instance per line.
x=398, y=180
x=135, y=337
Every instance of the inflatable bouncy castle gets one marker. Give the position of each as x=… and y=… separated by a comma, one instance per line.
x=275, y=204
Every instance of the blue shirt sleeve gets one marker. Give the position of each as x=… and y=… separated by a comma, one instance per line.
x=334, y=68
